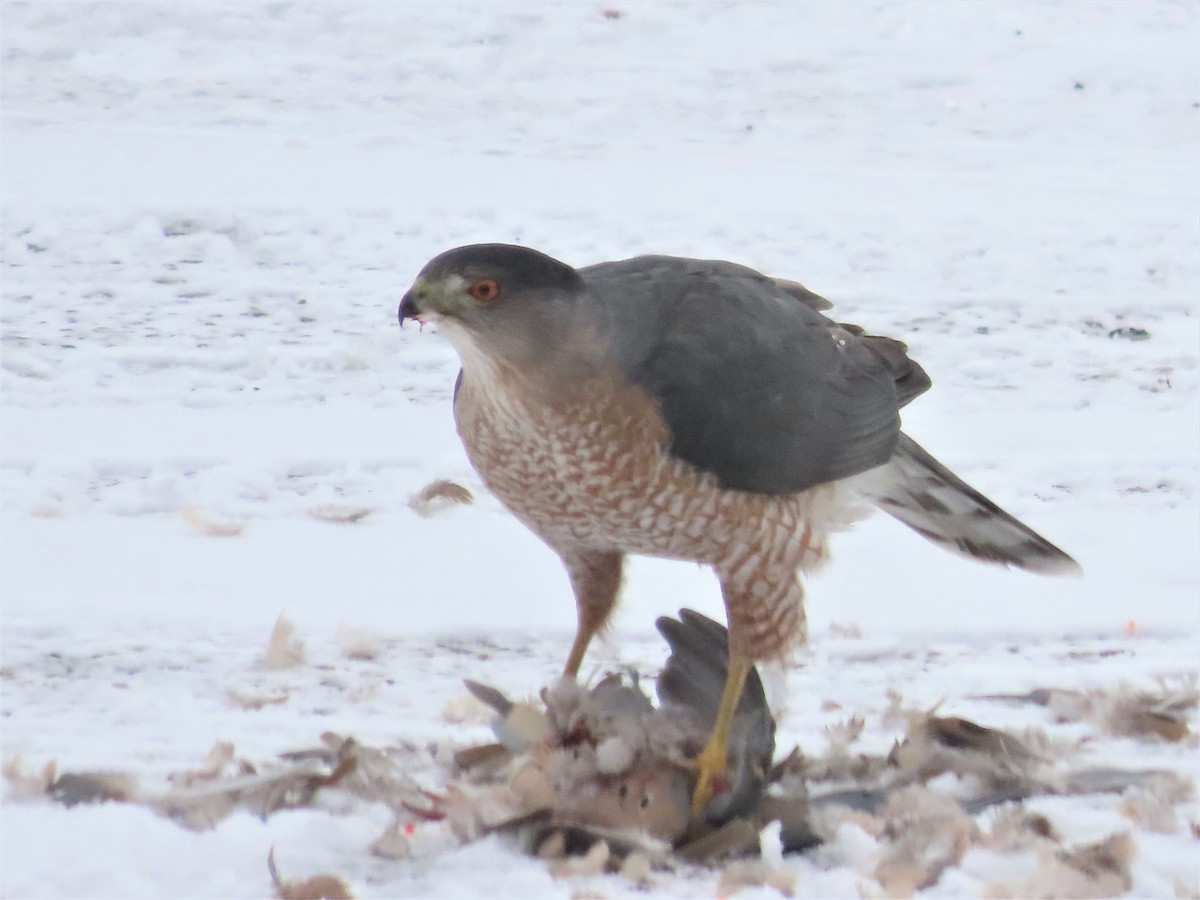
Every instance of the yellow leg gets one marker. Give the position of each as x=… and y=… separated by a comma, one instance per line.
x=712, y=765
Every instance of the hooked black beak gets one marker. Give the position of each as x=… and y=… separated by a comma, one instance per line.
x=408, y=308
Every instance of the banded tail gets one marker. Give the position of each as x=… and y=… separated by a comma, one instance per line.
x=930, y=499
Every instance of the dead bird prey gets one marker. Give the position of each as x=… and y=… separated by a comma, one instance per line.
x=692, y=409
x=606, y=756
x=606, y=762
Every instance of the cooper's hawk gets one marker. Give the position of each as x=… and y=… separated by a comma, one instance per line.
x=695, y=410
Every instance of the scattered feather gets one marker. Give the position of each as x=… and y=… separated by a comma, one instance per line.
x=473, y=813
x=485, y=757
x=770, y=846
x=28, y=787
x=637, y=868
x=357, y=643
x=284, y=648
x=210, y=527
x=261, y=790
x=735, y=838
x=1105, y=864
x=1015, y=829
x=895, y=714
x=74, y=788
x=1149, y=810
x=1101, y=869
x=215, y=765
x=749, y=873
x=552, y=846
x=466, y=708
x=924, y=833
x=438, y=496
x=394, y=842
x=1169, y=785
x=371, y=773
x=591, y=863
x=255, y=702
x=842, y=734
x=935, y=745
x=518, y=726
x=318, y=887
x=1121, y=711
x=1135, y=722
x=341, y=515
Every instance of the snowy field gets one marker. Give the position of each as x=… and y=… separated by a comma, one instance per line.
x=211, y=211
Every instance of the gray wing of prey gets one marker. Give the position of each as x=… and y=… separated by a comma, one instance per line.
x=756, y=386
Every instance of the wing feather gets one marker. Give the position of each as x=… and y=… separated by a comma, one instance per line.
x=763, y=392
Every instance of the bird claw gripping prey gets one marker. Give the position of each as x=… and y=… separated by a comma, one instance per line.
x=730, y=772
x=606, y=756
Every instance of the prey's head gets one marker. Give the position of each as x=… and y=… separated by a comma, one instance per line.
x=511, y=304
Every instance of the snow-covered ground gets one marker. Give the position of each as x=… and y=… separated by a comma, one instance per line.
x=210, y=212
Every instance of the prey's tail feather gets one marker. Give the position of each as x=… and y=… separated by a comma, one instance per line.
x=930, y=499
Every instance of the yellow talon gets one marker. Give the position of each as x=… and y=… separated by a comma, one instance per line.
x=712, y=765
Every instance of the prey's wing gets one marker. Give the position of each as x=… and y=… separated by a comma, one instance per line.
x=763, y=392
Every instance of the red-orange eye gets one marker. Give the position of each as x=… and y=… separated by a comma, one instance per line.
x=485, y=290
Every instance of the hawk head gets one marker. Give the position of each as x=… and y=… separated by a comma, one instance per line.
x=511, y=304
